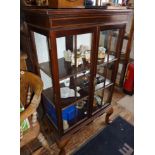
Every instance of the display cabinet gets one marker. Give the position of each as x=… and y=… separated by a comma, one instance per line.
x=76, y=53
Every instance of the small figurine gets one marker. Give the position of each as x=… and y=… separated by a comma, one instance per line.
x=85, y=79
x=80, y=105
x=82, y=53
x=101, y=52
x=85, y=52
x=65, y=124
x=87, y=56
x=67, y=92
x=68, y=55
x=98, y=99
x=79, y=60
x=78, y=88
x=67, y=82
x=72, y=60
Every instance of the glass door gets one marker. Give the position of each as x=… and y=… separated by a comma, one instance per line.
x=74, y=55
x=106, y=66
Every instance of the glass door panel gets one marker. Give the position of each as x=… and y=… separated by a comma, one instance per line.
x=107, y=58
x=74, y=114
x=107, y=46
x=74, y=67
x=43, y=58
x=74, y=55
x=101, y=99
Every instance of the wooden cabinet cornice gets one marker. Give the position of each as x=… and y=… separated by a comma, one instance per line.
x=67, y=18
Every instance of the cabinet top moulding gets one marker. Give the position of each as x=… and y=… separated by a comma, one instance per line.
x=48, y=19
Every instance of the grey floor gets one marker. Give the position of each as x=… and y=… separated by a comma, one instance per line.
x=127, y=102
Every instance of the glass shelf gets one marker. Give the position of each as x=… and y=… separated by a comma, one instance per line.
x=72, y=114
x=99, y=108
x=101, y=85
x=48, y=93
x=65, y=68
x=103, y=62
x=101, y=99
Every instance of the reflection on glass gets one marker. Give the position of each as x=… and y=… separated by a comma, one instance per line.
x=74, y=54
x=106, y=61
x=74, y=67
x=107, y=46
x=101, y=98
x=74, y=113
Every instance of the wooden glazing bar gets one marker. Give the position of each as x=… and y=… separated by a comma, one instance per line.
x=94, y=56
x=34, y=53
x=55, y=76
x=106, y=66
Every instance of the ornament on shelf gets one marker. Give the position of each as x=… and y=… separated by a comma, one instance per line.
x=85, y=52
x=101, y=52
x=78, y=88
x=80, y=105
x=68, y=55
x=98, y=99
x=87, y=56
x=79, y=60
x=67, y=82
x=82, y=53
x=65, y=124
x=67, y=92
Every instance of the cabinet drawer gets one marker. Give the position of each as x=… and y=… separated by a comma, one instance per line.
x=66, y=3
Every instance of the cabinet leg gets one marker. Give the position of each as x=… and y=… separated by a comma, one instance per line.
x=61, y=144
x=108, y=114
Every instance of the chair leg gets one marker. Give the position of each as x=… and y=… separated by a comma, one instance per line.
x=44, y=143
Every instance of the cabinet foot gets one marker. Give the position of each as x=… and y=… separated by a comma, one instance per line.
x=108, y=114
x=61, y=144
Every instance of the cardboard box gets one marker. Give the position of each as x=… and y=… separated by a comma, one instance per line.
x=66, y=3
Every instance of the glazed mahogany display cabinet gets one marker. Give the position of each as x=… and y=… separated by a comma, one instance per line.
x=76, y=53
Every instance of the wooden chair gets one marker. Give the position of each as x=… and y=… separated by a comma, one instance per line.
x=30, y=94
